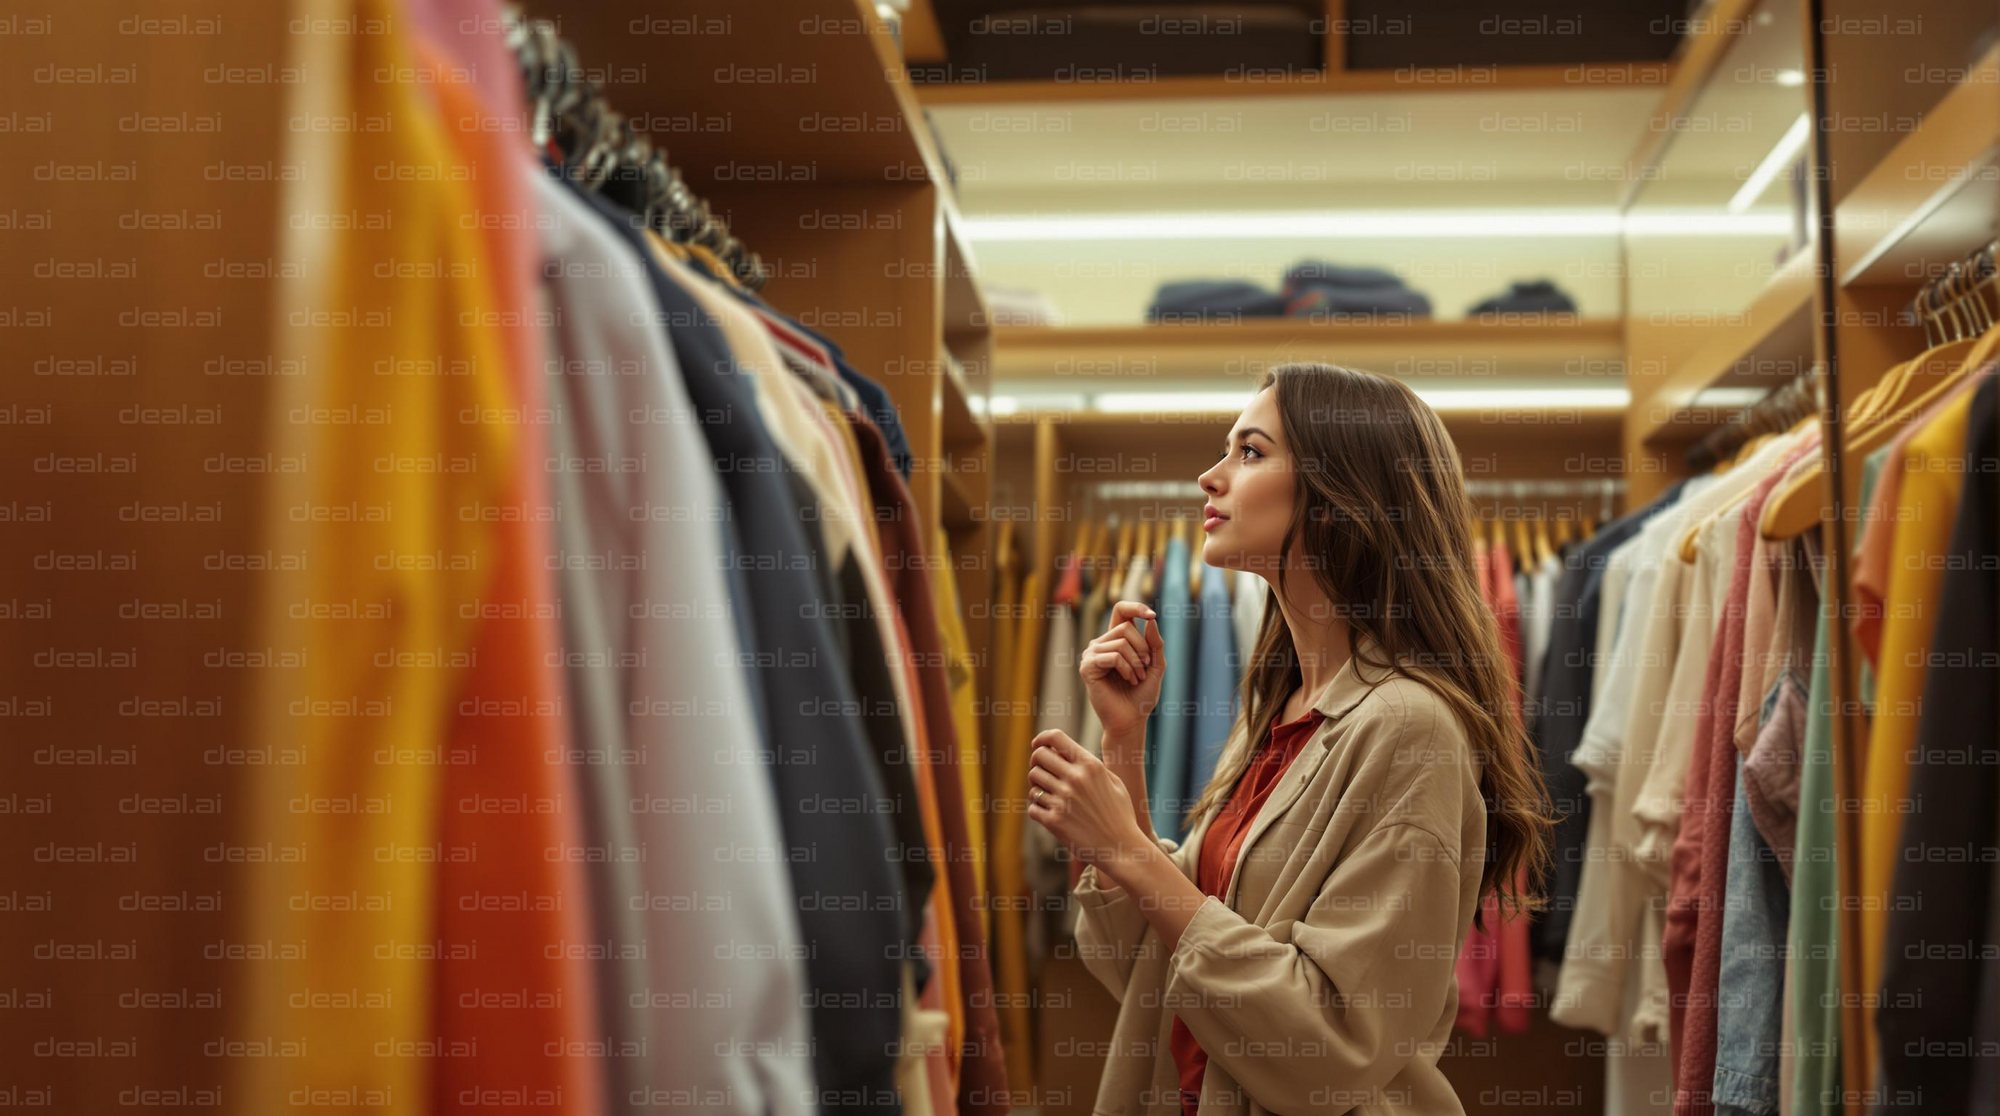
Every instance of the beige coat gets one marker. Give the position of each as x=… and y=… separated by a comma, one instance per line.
x=1325, y=983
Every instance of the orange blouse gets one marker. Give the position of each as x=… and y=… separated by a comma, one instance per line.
x=1219, y=850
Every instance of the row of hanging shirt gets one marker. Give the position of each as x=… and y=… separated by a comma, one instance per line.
x=1208, y=620
x=1686, y=720
x=633, y=660
x=1517, y=572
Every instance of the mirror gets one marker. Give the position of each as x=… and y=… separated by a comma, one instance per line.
x=1719, y=211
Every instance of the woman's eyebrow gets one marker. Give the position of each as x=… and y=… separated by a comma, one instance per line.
x=1249, y=430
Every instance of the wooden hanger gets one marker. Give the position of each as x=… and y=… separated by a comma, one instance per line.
x=715, y=265
x=1690, y=546
x=1003, y=549
x=672, y=248
x=1102, y=576
x=1588, y=527
x=1562, y=532
x=1123, y=556
x=1544, y=549
x=1197, y=570
x=1150, y=576
x=1921, y=382
x=1142, y=549
x=1195, y=563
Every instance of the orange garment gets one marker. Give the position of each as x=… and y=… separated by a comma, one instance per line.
x=1875, y=556
x=519, y=988
x=1217, y=863
x=378, y=567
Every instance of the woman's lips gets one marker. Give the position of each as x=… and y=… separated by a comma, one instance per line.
x=1211, y=518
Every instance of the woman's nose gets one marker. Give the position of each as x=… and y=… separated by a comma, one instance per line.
x=1210, y=482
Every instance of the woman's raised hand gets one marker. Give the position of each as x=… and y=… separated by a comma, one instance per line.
x=1122, y=670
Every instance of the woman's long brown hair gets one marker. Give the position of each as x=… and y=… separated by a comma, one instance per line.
x=1386, y=527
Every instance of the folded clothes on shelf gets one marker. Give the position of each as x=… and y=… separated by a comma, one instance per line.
x=1525, y=297
x=1321, y=290
x=1200, y=300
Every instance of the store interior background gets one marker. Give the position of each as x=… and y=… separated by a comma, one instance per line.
x=1669, y=199
x=1696, y=296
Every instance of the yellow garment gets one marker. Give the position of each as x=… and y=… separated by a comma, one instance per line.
x=1004, y=608
x=340, y=884
x=1933, y=478
x=1010, y=885
x=961, y=666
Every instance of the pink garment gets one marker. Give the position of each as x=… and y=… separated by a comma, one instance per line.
x=1696, y=1065
x=1684, y=864
x=1514, y=974
x=1517, y=967
x=1772, y=762
x=1506, y=605
x=1495, y=971
x=1478, y=972
x=1478, y=967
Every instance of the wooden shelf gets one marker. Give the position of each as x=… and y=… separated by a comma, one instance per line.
x=1531, y=343
x=1319, y=83
x=1700, y=53
x=1769, y=345
x=1932, y=199
x=965, y=313
x=796, y=92
x=955, y=511
x=960, y=427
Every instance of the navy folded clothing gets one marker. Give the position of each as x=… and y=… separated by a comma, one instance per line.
x=1337, y=303
x=1536, y=296
x=1317, y=289
x=1198, y=300
x=1320, y=273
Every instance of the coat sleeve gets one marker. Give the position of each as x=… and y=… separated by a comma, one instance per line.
x=1109, y=933
x=1316, y=1015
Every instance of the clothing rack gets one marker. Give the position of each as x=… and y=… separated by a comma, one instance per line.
x=1783, y=408
x=1949, y=307
x=602, y=150
x=1145, y=490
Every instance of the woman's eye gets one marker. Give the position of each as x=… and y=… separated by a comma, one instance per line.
x=1248, y=451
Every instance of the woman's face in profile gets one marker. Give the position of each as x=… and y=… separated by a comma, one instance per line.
x=1251, y=492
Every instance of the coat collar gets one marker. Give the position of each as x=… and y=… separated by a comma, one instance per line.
x=1352, y=681
x=1345, y=692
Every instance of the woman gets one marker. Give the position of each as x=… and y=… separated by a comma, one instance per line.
x=1296, y=954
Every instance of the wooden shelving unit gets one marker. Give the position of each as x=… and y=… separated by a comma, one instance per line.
x=802, y=131
x=1530, y=344
x=1932, y=196
x=1771, y=343
x=1624, y=75
x=1701, y=52
x=924, y=43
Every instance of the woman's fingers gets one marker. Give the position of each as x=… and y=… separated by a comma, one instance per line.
x=1045, y=750
x=1042, y=777
x=1129, y=610
x=1115, y=661
x=1129, y=636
